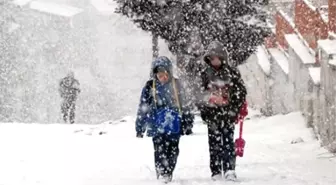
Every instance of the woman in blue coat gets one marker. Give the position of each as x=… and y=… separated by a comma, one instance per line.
x=163, y=114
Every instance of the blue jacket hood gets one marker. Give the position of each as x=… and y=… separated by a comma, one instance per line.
x=163, y=62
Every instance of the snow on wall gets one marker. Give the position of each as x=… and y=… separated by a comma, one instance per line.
x=300, y=59
x=310, y=4
x=315, y=74
x=257, y=83
x=283, y=26
x=328, y=46
x=301, y=79
x=282, y=87
x=280, y=59
x=297, y=86
x=279, y=90
x=300, y=49
x=269, y=90
x=325, y=118
x=263, y=60
x=326, y=68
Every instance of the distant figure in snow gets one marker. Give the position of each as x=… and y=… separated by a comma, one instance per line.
x=220, y=99
x=69, y=90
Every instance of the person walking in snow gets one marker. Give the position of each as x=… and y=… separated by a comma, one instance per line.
x=69, y=90
x=163, y=113
x=188, y=125
x=220, y=99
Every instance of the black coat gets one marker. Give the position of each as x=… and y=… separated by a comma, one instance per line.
x=69, y=88
x=231, y=78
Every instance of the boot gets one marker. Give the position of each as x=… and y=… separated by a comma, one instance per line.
x=230, y=175
x=167, y=178
x=216, y=177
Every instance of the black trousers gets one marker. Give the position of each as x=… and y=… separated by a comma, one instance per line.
x=221, y=143
x=68, y=108
x=166, y=152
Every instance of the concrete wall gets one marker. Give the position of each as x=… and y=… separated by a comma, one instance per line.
x=299, y=62
x=269, y=91
x=282, y=87
x=295, y=83
x=310, y=84
x=325, y=121
x=257, y=82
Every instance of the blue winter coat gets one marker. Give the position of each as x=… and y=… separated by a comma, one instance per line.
x=165, y=99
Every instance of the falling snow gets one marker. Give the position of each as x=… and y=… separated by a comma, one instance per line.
x=81, y=101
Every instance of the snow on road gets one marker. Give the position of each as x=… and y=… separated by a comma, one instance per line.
x=57, y=154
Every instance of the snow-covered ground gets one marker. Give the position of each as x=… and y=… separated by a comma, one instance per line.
x=57, y=154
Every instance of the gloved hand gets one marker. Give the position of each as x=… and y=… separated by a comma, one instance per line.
x=243, y=112
x=218, y=100
x=139, y=135
x=188, y=132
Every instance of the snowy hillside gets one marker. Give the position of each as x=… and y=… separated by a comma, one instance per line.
x=77, y=155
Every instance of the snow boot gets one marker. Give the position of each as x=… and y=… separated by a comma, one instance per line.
x=216, y=177
x=230, y=175
x=167, y=178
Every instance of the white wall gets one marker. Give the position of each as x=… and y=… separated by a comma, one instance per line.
x=282, y=89
x=326, y=116
x=257, y=84
x=297, y=89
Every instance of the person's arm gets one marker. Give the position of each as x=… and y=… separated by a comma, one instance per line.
x=203, y=94
x=61, y=88
x=238, y=92
x=76, y=86
x=144, y=110
x=187, y=116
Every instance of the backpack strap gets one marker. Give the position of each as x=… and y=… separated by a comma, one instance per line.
x=154, y=91
x=175, y=94
x=176, y=97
